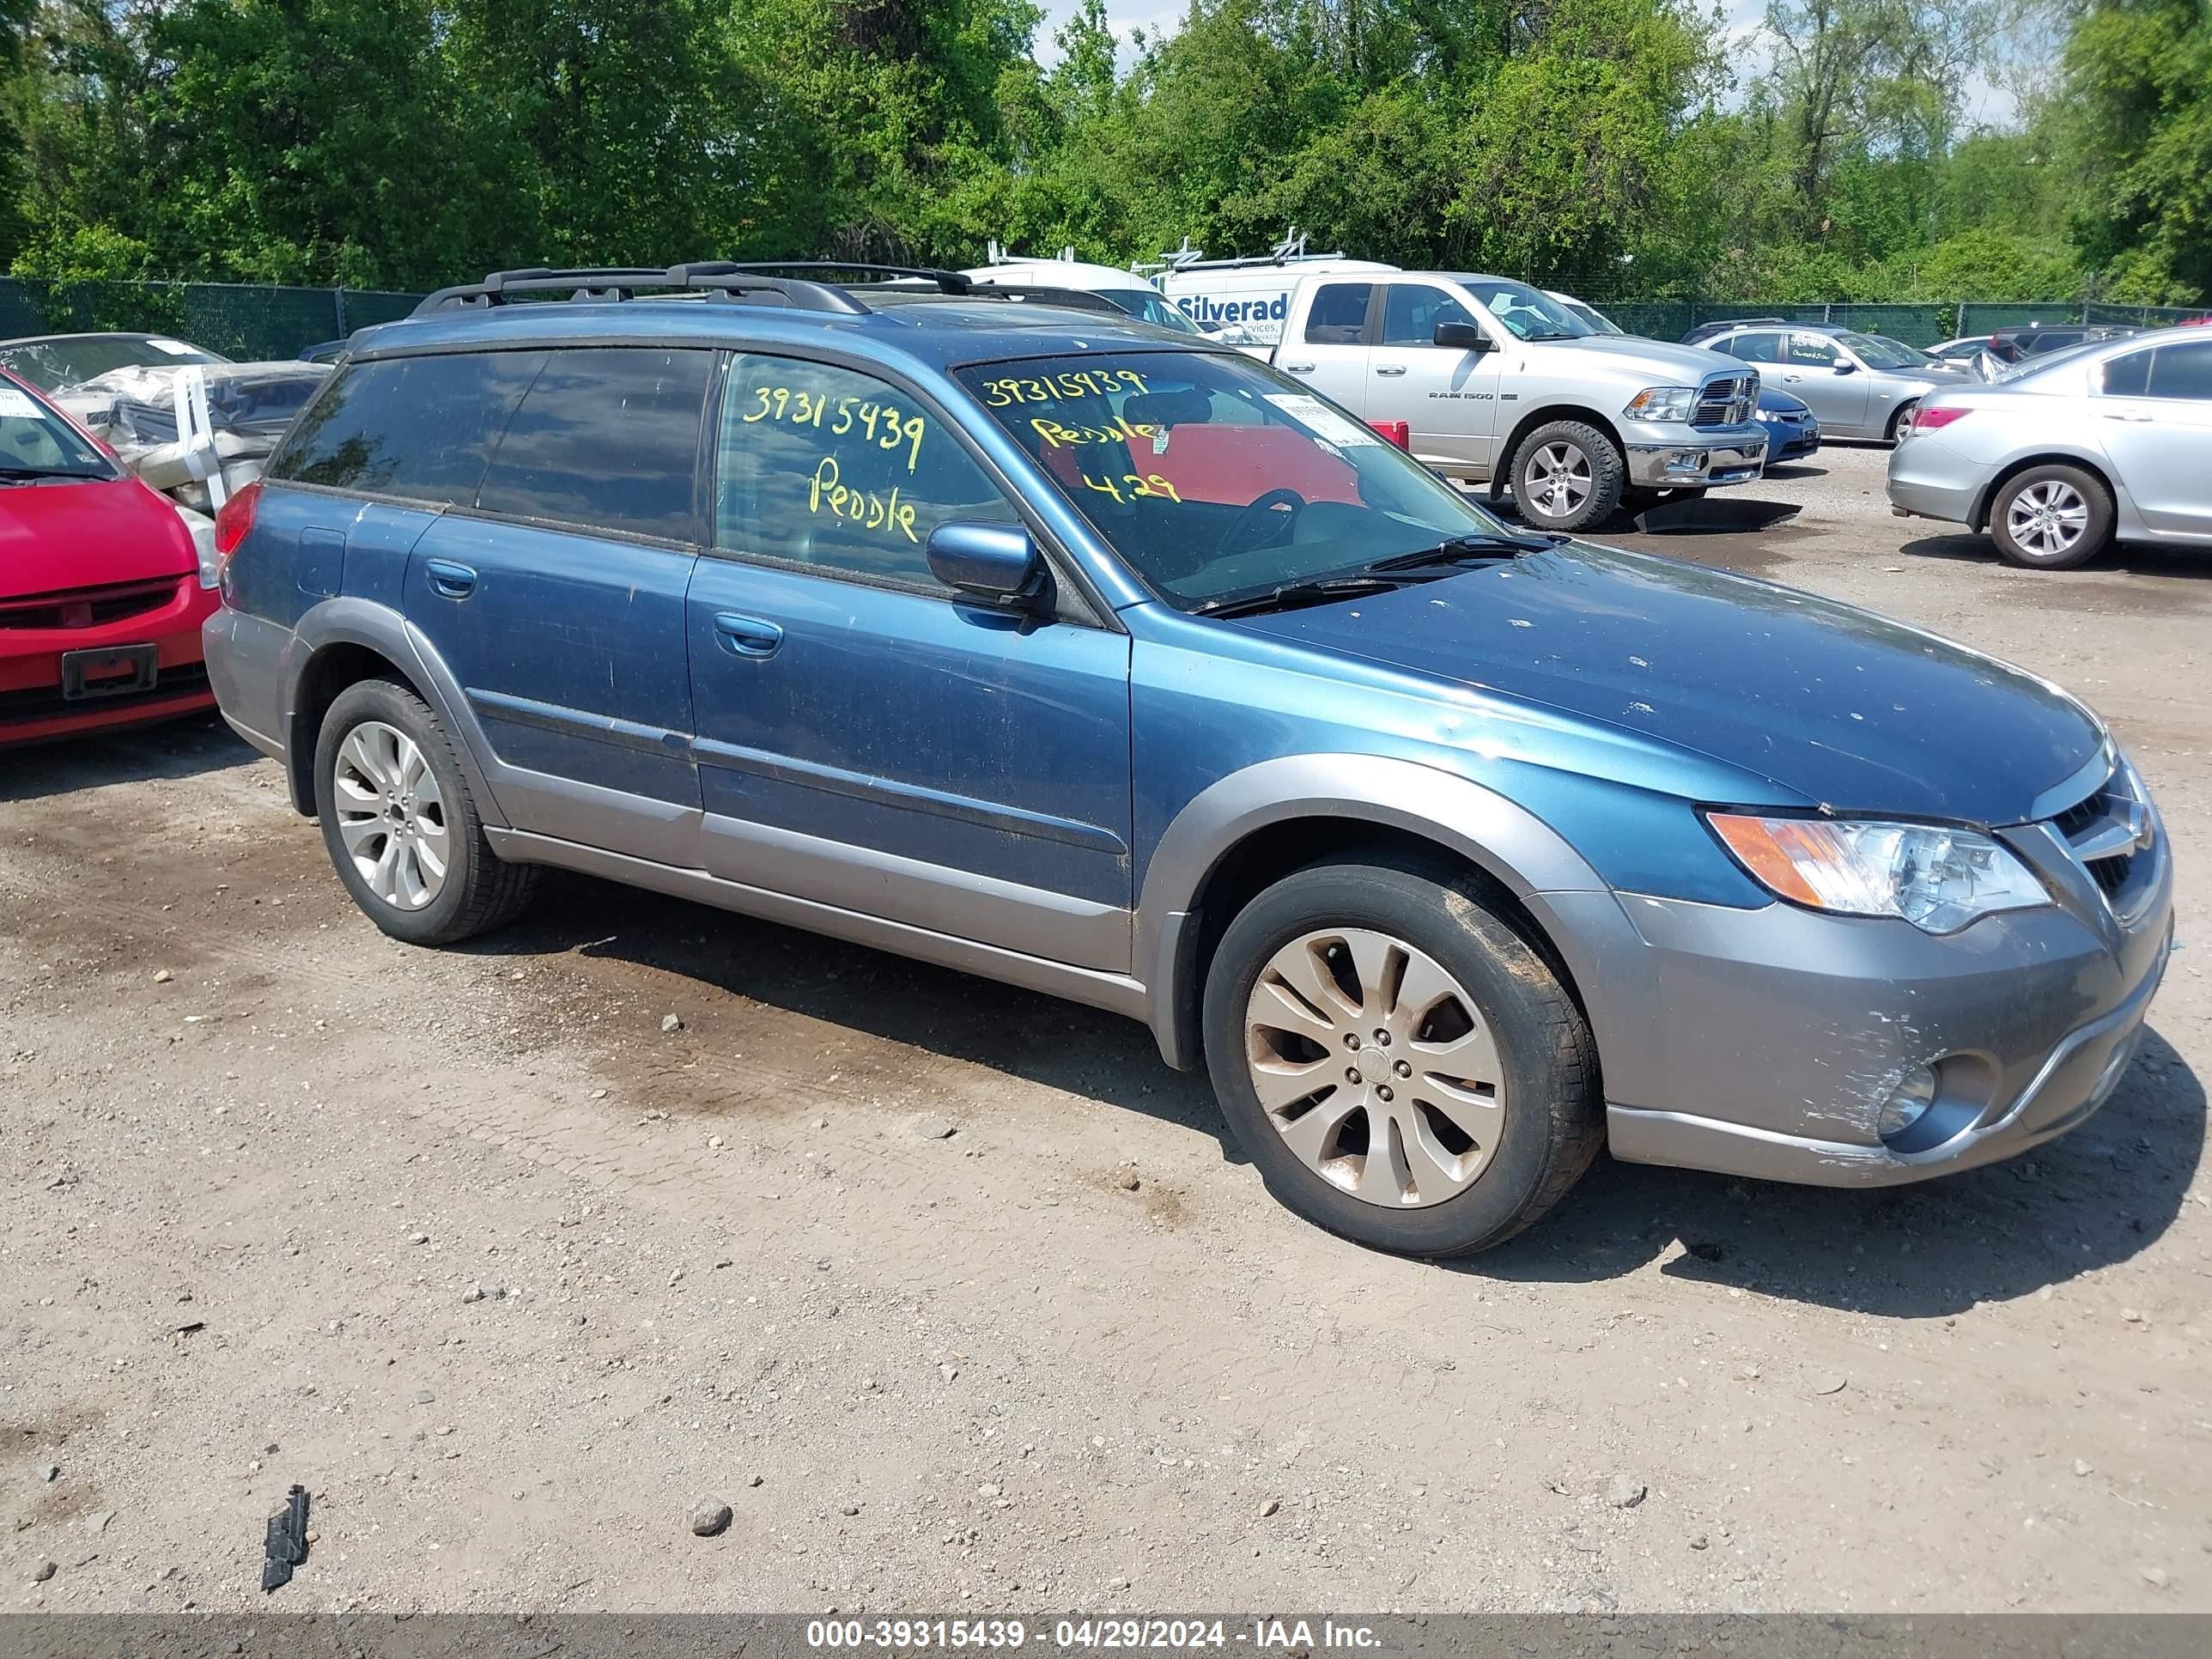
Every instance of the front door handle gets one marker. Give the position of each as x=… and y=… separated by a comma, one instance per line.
x=1389, y=369
x=746, y=637
x=1792, y=379
x=1297, y=369
x=2115, y=415
x=448, y=579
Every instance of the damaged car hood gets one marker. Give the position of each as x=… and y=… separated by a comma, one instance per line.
x=1835, y=705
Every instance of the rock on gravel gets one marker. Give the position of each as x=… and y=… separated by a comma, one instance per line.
x=2155, y=1577
x=930, y=1126
x=672, y=1022
x=42, y=1569
x=50, y=1472
x=1625, y=1492
x=710, y=1516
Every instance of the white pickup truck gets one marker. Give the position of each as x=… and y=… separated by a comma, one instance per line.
x=1500, y=385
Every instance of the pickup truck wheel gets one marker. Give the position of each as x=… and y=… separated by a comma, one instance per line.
x=1400, y=1064
x=2051, y=518
x=1567, y=475
x=400, y=824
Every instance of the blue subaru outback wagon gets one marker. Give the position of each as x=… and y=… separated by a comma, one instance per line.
x=1071, y=652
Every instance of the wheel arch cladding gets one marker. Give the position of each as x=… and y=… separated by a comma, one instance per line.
x=1252, y=827
x=343, y=641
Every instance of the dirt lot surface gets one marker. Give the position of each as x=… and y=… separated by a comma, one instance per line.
x=512, y=1277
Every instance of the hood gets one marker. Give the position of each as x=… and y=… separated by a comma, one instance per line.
x=1835, y=705
x=1666, y=365
x=1771, y=402
x=57, y=535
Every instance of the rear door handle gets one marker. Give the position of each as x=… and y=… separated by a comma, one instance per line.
x=2115, y=415
x=746, y=637
x=1297, y=369
x=448, y=579
x=1389, y=369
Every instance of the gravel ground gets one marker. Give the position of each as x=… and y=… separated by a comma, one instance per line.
x=956, y=1298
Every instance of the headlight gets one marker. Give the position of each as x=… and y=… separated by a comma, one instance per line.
x=1936, y=878
x=1662, y=403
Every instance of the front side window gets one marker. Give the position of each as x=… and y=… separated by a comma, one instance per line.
x=1411, y=312
x=421, y=428
x=1813, y=351
x=35, y=442
x=1339, y=313
x=826, y=467
x=606, y=437
x=2182, y=371
x=1880, y=351
x=1213, y=476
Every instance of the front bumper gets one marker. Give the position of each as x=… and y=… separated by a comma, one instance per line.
x=33, y=707
x=1700, y=457
x=1786, y=442
x=1786, y=1031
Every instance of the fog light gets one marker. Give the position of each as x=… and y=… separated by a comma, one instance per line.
x=1907, y=1102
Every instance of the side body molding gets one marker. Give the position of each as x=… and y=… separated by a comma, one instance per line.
x=381, y=628
x=1529, y=858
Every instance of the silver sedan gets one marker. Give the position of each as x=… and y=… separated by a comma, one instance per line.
x=1858, y=386
x=2060, y=459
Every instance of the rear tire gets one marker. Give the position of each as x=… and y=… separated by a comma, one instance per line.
x=2052, y=517
x=1454, y=1096
x=1900, y=419
x=1567, y=475
x=400, y=823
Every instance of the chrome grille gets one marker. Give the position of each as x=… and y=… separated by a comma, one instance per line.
x=1726, y=401
x=2112, y=835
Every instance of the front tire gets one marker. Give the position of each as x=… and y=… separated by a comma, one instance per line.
x=1400, y=1063
x=400, y=823
x=2052, y=517
x=1567, y=475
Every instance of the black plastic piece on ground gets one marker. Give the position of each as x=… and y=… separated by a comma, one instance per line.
x=286, y=1544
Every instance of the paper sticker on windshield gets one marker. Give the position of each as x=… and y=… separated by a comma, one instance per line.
x=174, y=347
x=1320, y=420
x=17, y=405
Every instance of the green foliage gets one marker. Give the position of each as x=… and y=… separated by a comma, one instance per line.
x=1611, y=147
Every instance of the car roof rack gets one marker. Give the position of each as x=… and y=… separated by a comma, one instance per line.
x=625, y=282
x=948, y=282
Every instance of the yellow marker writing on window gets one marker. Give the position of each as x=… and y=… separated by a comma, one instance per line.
x=864, y=507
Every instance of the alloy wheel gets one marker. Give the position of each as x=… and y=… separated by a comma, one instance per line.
x=2048, y=517
x=1375, y=1066
x=391, y=815
x=1557, y=479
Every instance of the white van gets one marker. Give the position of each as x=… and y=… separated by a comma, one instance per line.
x=1248, y=299
x=1130, y=292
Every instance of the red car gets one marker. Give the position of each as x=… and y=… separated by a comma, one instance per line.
x=102, y=591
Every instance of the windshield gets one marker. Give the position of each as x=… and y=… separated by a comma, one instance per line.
x=1210, y=475
x=1880, y=351
x=1147, y=306
x=36, y=443
x=52, y=364
x=1530, y=312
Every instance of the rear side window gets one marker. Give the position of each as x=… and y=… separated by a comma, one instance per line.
x=2128, y=376
x=1754, y=348
x=421, y=428
x=1339, y=313
x=2182, y=371
x=606, y=437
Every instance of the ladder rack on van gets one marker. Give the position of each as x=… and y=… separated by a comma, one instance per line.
x=1288, y=252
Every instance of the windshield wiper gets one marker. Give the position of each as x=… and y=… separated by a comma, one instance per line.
x=1291, y=595
x=1459, y=549
x=11, y=474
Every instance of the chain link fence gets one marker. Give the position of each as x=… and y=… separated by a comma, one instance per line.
x=248, y=322
x=245, y=322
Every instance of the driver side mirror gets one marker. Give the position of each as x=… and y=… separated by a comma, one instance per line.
x=1845, y=365
x=994, y=562
x=1462, y=337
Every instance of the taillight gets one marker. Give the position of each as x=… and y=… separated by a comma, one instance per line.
x=1399, y=433
x=1925, y=419
x=235, y=520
